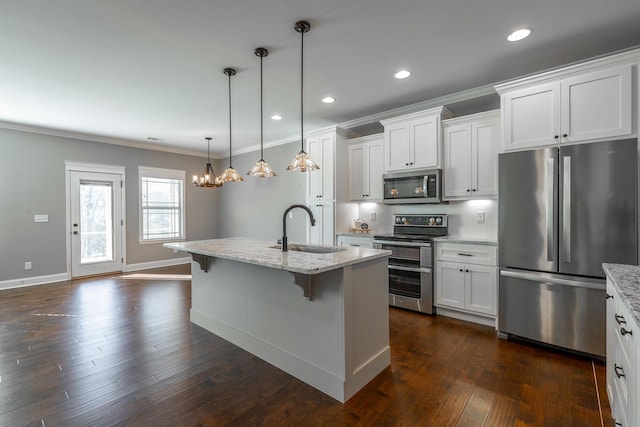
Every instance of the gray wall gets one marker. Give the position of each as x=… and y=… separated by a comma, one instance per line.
x=254, y=207
x=32, y=181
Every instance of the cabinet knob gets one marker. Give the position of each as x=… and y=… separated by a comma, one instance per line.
x=556, y=136
x=410, y=163
x=460, y=270
x=474, y=189
x=406, y=164
x=564, y=135
x=468, y=190
x=466, y=271
x=609, y=296
x=624, y=332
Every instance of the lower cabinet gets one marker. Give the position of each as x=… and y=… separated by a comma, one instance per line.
x=322, y=233
x=466, y=281
x=623, y=361
x=352, y=240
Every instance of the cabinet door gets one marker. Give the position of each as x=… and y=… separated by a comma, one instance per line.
x=374, y=170
x=611, y=298
x=321, y=151
x=357, y=156
x=323, y=233
x=597, y=105
x=484, y=156
x=425, y=143
x=397, y=146
x=480, y=289
x=457, y=161
x=531, y=116
x=450, y=284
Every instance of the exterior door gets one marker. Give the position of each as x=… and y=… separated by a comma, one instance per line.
x=95, y=214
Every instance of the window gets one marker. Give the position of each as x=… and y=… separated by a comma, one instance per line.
x=162, y=209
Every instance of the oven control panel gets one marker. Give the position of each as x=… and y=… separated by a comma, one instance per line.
x=434, y=220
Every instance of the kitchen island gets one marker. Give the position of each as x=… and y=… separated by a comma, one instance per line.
x=320, y=316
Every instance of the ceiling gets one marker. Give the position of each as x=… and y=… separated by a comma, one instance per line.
x=124, y=71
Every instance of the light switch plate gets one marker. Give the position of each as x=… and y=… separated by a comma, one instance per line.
x=480, y=216
x=41, y=218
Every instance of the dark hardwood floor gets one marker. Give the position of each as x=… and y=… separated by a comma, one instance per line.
x=114, y=351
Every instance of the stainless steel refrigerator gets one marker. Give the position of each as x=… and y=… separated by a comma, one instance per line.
x=562, y=213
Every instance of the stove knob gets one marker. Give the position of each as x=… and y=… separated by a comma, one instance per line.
x=438, y=220
x=398, y=220
x=404, y=220
x=432, y=221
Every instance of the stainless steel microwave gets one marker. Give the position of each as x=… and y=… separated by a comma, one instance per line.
x=419, y=186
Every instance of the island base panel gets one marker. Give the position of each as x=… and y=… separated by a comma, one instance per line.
x=337, y=342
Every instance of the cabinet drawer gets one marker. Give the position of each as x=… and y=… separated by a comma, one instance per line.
x=365, y=242
x=622, y=377
x=466, y=253
x=625, y=329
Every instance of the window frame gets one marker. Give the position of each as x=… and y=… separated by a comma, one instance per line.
x=151, y=172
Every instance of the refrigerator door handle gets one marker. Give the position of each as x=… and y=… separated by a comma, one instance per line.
x=583, y=282
x=550, y=166
x=566, y=209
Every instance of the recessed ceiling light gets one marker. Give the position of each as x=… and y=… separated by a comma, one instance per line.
x=153, y=138
x=402, y=74
x=276, y=117
x=519, y=34
x=328, y=100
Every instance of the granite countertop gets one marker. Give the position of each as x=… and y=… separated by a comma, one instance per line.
x=626, y=280
x=259, y=252
x=454, y=239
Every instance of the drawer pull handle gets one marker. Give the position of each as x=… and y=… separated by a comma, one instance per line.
x=617, y=423
x=464, y=254
x=624, y=332
x=620, y=320
x=619, y=371
x=609, y=296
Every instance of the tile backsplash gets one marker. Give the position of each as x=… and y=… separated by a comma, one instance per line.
x=463, y=217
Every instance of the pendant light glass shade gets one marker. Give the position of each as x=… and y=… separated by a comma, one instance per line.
x=230, y=174
x=208, y=177
x=262, y=168
x=302, y=162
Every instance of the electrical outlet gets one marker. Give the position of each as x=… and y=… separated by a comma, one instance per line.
x=373, y=216
x=480, y=216
x=27, y=265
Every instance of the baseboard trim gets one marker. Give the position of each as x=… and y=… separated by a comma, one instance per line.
x=33, y=281
x=157, y=264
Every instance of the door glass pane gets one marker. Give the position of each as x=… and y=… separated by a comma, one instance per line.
x=96, y=222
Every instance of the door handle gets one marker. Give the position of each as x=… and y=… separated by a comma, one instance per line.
x=566, y=210
x=550, y=166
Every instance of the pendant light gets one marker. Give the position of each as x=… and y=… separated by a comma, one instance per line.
x=302, y=162
x=262, y=168
x=230, y=174
x=208, y=177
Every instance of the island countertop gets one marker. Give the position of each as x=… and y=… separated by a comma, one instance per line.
x=259, y=252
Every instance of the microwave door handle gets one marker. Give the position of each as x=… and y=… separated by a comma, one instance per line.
x=566, y=209
x=550, y=173
x=425, y=185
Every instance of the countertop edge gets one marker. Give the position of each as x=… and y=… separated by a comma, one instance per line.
x=364, y=255
x=626, y=280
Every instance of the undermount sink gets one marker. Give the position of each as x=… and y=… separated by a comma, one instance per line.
x=315, y=249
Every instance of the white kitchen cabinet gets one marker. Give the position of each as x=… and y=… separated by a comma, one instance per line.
x=366, y=166
x=365, y=241
x=466, y=281
x=323, y=233
x=580, y=103
x=320, y=183
x=414, y=141
x=623, y=361
x=470, y=156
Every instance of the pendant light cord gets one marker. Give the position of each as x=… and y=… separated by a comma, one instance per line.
x=229, y=120
x=261, y=116
x=301, y=90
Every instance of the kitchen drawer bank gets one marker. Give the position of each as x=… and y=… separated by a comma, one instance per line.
x=334, y=335
x=623, y=344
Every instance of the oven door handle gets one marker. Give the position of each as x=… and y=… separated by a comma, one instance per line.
x=414, y=269
x=396, y=243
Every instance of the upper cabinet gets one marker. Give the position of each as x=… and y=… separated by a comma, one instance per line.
x=579, y=103
x=320, y=183
x=366, y=166
x=470, y=156
x=413, y=141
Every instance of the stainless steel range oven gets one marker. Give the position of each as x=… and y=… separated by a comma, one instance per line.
x=411, y=259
